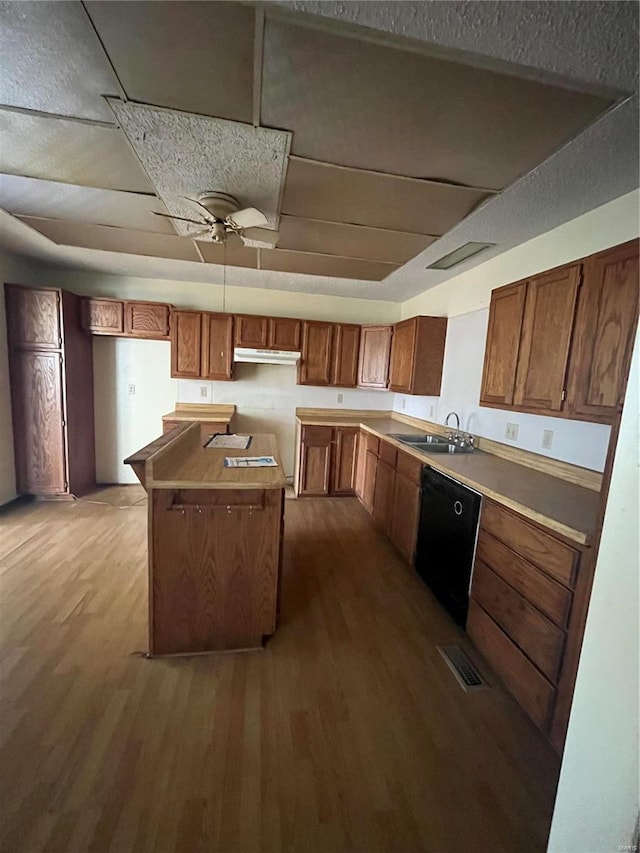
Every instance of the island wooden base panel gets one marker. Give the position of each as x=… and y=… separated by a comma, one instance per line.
x=346, y=733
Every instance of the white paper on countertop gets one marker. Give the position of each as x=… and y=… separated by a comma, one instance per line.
x=250, y=462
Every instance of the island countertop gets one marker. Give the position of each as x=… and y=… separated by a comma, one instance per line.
x=212, y=413
x=181, y=462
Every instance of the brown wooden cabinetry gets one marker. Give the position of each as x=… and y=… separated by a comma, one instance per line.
x=251, y=331
x=329, y=354
x=103, y=316
x=146, y=320
x=383, y=495
x=405, y=505
x=417, y=354
x=284, y=334
x=51, y=376
x=521, y=599
x=327, y=461
x=375, y=350
x=560, y=343
x=201, y=345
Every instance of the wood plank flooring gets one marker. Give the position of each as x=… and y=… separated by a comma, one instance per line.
x=346, y=733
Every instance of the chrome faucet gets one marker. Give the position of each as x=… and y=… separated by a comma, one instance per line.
x=453, y=436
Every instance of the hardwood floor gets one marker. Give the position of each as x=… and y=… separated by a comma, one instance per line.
x=346, y=733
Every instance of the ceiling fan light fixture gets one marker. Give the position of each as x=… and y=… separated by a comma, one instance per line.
x=462, y=253
x=218, y=232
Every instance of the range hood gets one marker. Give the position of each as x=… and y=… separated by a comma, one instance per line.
x=265, y=356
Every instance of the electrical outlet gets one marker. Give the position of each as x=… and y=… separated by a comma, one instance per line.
x=203, y=391
x=404, y=403
x=132, y=390
x=511, y=432
x=547, y=439
x=340, y=397
x=432, y=411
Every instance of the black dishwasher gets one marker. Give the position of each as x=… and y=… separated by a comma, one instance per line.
x=449, y=514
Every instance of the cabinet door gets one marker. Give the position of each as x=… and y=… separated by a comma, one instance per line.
x=503, y=344
x=604, y=334
x=546, y=336
x=186, y=343
x=346, y=345
x=315, y=364
x=103, y=316
x=375, y=350
x=36, y=391
x=217, y=346
x=343, y=473
x=146, y=320
x=405, y=512
x=402, y=352
x=250, y=331
x=33, y=317
x=315, y=460
x=361, y=457
x=383, y=495
x=284, y=334
x=369, y=484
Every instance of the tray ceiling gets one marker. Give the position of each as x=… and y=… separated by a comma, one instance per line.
x=363, y=154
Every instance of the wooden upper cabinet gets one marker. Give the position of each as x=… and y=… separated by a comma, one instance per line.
x=284, y=334
x=604, y=333
x=375, y=350
x=315, y=366
x=103, y=316
x=417, y=355
x=33, y=316
x=251, y=331
x=346, y=346
x=186, y=344
x=503, y=343
x=217, y=346
x=146, y=320
x=546, y=337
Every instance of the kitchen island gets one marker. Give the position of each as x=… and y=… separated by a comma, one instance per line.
x=215, y=543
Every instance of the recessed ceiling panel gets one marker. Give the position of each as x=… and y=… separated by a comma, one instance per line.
x=322, y=191
x=109, y=239
x=196, y=57
x=53, y=200
x=369, y=106
x=233, y=254
x=353, y=241
x=69, y=151
x=308, y=263
x=52, y=61
x=186, y=155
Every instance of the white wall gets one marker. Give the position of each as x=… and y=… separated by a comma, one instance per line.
x=465, y=300
x=598, y=794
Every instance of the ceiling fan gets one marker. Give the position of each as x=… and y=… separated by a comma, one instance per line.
x=220, y=217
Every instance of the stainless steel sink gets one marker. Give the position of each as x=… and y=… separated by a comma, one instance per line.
x=432, y=443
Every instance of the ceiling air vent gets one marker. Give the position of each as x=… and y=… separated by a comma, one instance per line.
x=458, y=255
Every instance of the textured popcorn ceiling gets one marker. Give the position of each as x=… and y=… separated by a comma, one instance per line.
x=186, y=155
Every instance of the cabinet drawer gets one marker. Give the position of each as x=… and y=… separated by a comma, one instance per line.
x=387, y=452
x=530, y=687
x=548, y=596
x=543, y=550
x=372, y=443
x=533, y=633
x=409, y=467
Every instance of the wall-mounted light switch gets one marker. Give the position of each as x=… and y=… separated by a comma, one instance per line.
x=204, y=391
x=340, y=398
x=511, y=432
x=132, y=390
x=432, y=411
x=547, y=439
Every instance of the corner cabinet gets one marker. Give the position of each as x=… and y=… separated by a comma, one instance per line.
x=327, y=461
x=417, y=356
x=560, y=343
x=51, y=377
x=201, y=345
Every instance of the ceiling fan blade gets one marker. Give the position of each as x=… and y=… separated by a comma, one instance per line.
x=248, y=218
x=199, y=203
x=195, y=234
x=263, y=236
x=180, y=218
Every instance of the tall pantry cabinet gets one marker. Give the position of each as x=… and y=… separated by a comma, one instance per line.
x=51, y=376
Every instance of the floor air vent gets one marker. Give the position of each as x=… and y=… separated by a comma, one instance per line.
x=465, y=672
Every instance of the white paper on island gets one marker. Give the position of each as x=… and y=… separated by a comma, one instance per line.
x=233, y=440
x=250, y=462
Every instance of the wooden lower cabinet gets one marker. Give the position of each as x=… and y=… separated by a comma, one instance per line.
x=521, y=598
x=405, y=515
x=327, y=461
x=383, y=495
